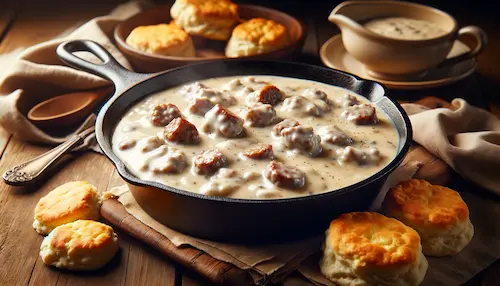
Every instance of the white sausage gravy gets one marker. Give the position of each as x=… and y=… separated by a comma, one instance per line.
x=405, y=28
x=255, y=137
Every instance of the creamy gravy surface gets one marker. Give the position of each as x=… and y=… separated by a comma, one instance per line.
x=348, y=152
x=405, y=28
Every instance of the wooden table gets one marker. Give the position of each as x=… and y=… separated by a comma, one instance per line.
x=24, y=24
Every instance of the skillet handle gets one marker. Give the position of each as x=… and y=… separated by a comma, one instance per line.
x=109, y=69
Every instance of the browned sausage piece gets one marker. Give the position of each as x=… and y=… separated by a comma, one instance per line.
x=334, y=135
x=163, y=113
x=233, y=85
x=150, y=143
x=199, y=90
x=269, y=94
x=314, y=93
x=369, y=156
x=200, y=106
x=208, y=161
x=284, y=124
x=361, y=114
x=300, y=106
x=347, y=100
x=173, y=162
x=180, y=130
x=127, y=144
x=223, y=122
x=259, y=151
x=302, y=138
x=285, y=176
x=260, y=115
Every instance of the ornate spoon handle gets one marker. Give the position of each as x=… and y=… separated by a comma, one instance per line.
x=29, y=171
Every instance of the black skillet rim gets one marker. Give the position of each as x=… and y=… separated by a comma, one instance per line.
x=383, y=173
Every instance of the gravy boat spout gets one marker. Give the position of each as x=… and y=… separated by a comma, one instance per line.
x=347, y=14
x=344, y=22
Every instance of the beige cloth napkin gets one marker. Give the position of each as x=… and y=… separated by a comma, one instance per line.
x=468, y=139
x=265, y=261
x=36, y=74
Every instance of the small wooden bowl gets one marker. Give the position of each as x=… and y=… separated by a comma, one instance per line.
x=67, y=109
x=206, y=50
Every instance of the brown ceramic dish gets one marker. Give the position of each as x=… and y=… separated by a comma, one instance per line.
x=207, y=50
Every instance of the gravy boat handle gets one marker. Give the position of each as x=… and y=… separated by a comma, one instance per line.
x=109, y=69
x=481, y=39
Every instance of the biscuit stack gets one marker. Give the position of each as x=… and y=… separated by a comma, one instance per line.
x=211, y=19
x=74, y=241
x=368, y=248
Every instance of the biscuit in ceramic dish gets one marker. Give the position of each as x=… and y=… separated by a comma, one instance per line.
x=257, y=36
x=162, y=39
x=212, y=19
x=67, y=203
x=79, y=245
x=367, y=248
x=437, y=213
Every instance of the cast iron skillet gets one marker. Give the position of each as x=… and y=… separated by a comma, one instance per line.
x=226, y=219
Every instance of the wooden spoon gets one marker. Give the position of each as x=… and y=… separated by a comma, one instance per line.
x=67, y=109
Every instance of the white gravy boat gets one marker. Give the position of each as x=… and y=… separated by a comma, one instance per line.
x=390, y=58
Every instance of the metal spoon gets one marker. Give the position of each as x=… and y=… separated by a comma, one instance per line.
x=31, y=170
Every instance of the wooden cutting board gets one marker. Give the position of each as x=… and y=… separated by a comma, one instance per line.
x=433, y=170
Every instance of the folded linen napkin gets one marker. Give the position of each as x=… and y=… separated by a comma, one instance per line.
x=467, y=138
x=36, y=74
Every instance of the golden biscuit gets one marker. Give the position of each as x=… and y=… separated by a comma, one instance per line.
x=67, y=203
x=257, y=36
x=79, y=245
x=437, y=213
x=367, y=248
x=162, y=39
x=212, y=19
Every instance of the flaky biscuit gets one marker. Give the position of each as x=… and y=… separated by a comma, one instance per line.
x=257, y=36
x=162, y=39
x=212, y=19
x=79, y=245
x=67, y=203
x=437, y=213
x=367, y=248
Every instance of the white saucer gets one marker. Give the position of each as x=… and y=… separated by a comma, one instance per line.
x=334, y=55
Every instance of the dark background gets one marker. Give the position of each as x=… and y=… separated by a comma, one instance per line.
x=486, y=8
x=314, y=14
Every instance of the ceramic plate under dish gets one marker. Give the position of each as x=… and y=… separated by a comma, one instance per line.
x=334, y=55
